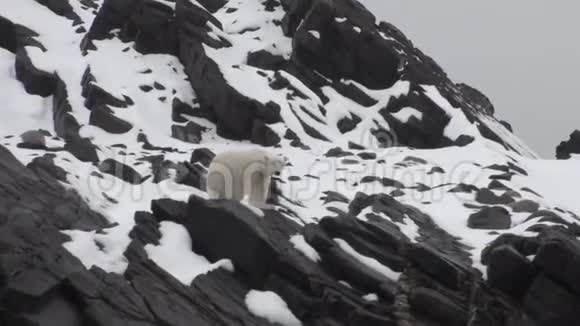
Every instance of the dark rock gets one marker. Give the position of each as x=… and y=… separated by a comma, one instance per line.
x=425, y=133
x=45, y=164
x=479, y=99
x=559, y=258
x=504, y=176
x=518, y=169
x=549, y=303
x=349, y=161
x=438, y=307
x=142, y=138
x=146, y=229
x=367, y=156
x=146, y=88
x=507, y=125
x=153, y=27
x=354, y=93
x=203, y=155
x=509, y=271
x=463, y=140
x=191, y=132
x=168, y=210
x=103, y=117
x=207, y=221
x=178, y=108
x=347, y=124
x=149, y=23
x=266, y=60
x=528, y=206
x=497, y=185
x=490, y=218
x=65, y=124
x=488, y=197
x=412, y=160
x=96, y=96
x=348, y=268
x=332, y=196
x=83, y=149
x=397, y=193
x=160, y=167
x=213, y=5
x=35, y=81
x=464, y=188
x=337, y=152
x=8, y=38
x=158, y=86
x=264, y=135
x=523, y=245
x=33, y=139
x=192, y=175
x=355, y=146
x=34, y=208
x=366, y=239
x=436, y=169
x=571, y=146
x=62, y=8
x=436, y=264
x=15, y=36
x=387, y=182
x=120, y=171
x=342, y=51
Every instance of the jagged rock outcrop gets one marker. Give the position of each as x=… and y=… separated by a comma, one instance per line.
x=567, y=148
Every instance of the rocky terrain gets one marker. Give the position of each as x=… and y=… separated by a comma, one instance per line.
x=405, y=201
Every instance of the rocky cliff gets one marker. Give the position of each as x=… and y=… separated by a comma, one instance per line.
x=405, y=201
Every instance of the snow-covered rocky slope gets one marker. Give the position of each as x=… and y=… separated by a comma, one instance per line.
x=405, y=202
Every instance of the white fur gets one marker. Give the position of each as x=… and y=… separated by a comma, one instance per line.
x=237, y=174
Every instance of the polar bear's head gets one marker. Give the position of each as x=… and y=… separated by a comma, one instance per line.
x=275, y=163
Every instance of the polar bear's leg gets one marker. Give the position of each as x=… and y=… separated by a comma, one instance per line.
x=220, y=182
x=215, y=185
x=258, y=189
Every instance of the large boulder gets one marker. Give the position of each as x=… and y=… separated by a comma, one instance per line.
x=509, y=271
x=559, y=258
x=190, y=133
x=490, y=218
x=103, y=117
x=567, y=148
x=33, y=139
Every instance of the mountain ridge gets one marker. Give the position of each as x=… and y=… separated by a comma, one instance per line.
x=406, y=202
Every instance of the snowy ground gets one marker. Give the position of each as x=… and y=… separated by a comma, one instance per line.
x=118, y=68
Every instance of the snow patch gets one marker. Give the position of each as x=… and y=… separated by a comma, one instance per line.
x=305, y=248
x=270, y=306
x=405, y=114
x=174, y=255
x=368, y=261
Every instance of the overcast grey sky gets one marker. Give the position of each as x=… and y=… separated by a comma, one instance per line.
x=523, y=54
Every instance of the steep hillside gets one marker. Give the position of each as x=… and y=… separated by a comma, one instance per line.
x=405, y=201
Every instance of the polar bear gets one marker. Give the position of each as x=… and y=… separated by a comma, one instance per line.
x=243, y=173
